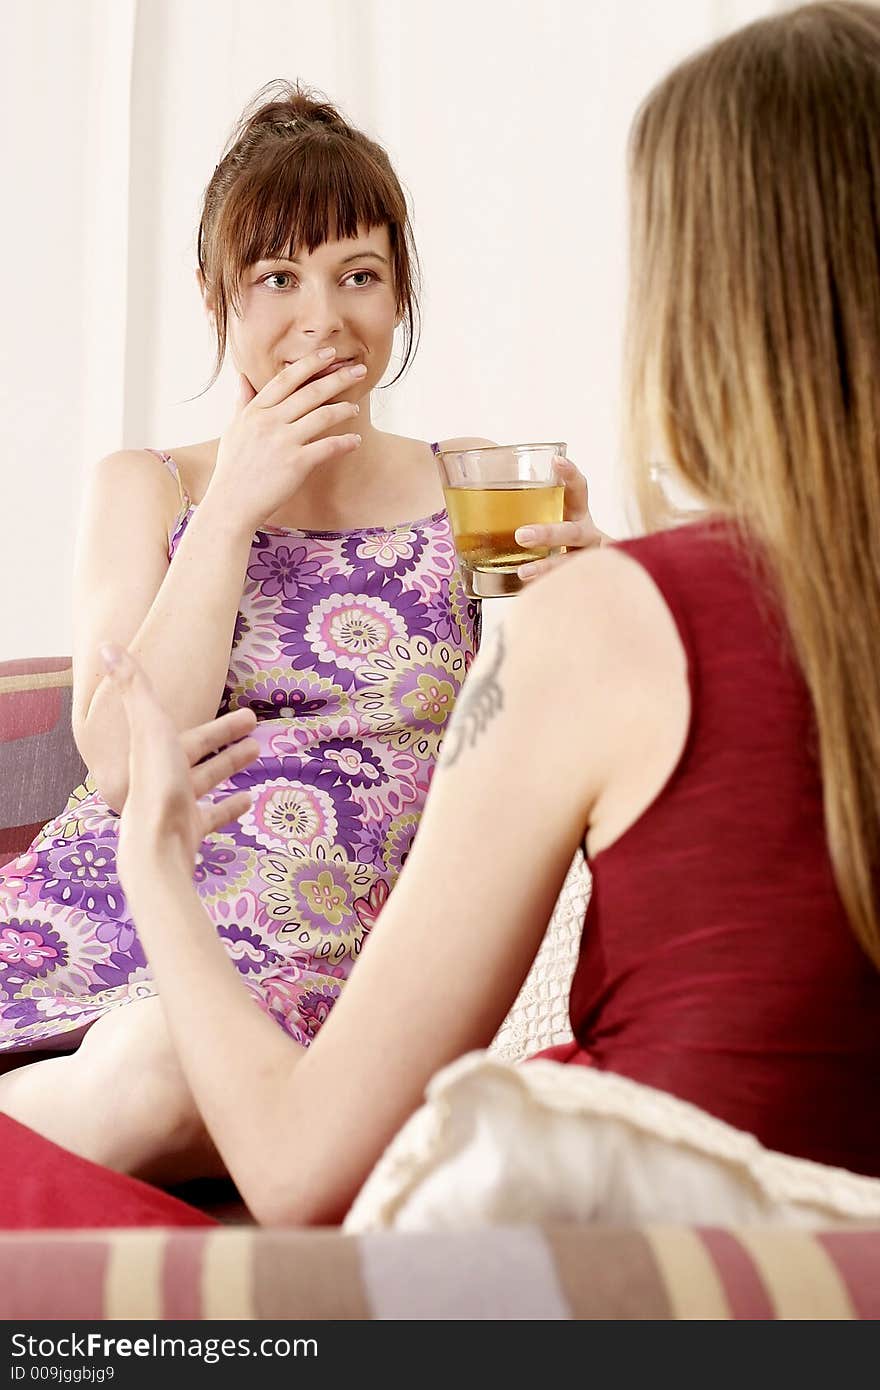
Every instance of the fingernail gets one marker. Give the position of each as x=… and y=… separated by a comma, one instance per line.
x=524, y=535
x=110, y=654
x=357, y=439
x=359, y=370
x=326, y=353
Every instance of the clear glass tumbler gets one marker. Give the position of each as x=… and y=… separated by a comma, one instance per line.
x=489, y=493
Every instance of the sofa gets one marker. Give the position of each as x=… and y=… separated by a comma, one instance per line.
x=529, y=1271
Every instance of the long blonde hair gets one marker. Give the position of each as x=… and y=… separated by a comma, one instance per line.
x=753, y=353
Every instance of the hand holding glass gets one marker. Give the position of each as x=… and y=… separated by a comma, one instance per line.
x=489, y=493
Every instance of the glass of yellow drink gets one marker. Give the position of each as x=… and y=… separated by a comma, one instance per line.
x=489, y=493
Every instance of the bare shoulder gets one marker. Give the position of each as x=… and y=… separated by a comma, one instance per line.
x=195, y=464
x=466, y=442
x=136, y=470
x=419, y=449
x=597, y=653
x=194, y=455
x=599, y=626
x=419, y=446
x=132, y=459
x=601, y=600
x=132, y=486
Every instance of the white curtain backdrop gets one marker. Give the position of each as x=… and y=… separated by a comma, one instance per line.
x=507, y=123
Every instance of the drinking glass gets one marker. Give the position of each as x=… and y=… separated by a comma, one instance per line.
x=489, y=493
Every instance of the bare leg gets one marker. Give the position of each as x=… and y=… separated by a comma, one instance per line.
x=121, y=1100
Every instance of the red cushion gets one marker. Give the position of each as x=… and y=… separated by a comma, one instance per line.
x=47, y=1188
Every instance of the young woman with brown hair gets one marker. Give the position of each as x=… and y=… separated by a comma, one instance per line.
x=299, y=567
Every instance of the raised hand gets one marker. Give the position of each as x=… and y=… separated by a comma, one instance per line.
x=577, y=530
x=163, y=821
x=279, y=434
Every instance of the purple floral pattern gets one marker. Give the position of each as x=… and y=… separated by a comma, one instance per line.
x=392, y=552
x=351, y=649
x=283, y=569
x=255, y=636
x=315, y=1004
x=29, y=948
x=354, y=617
x=407, y=693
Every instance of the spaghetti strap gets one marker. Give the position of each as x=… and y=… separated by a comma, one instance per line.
x=175, y=473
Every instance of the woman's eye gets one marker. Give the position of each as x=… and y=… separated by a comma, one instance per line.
x=284, y=280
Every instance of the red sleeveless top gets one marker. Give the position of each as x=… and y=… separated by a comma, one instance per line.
x=717, y=962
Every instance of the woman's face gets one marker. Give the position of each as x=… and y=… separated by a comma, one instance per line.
x=340, y=295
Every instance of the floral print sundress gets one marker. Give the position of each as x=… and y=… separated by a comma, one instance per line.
x=351, y=648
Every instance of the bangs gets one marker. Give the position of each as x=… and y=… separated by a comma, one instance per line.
x=300, y=197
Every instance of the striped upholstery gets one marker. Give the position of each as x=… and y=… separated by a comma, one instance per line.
x=524, y=1272
x=39, y=761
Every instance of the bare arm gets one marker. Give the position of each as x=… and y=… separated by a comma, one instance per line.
x=452, y=947
x=177, y=620
x=570, y=703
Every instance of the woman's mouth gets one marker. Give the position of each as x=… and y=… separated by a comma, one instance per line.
x=330, y=368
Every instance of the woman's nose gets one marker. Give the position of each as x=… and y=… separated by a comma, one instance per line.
x=319, y=315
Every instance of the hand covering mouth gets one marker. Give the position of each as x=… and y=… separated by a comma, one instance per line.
x=330, y=367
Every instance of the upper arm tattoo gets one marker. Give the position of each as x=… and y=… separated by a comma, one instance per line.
x=482, y=697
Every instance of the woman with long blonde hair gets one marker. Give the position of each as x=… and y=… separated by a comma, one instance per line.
x=699, y=707
x=754, y=338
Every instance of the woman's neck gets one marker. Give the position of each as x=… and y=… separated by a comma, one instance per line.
x=388, y=480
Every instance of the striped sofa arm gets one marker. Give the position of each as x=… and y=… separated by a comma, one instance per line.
x=39, y=762
x=525, y=1272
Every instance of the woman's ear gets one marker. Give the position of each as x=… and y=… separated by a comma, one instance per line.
x=206, y=300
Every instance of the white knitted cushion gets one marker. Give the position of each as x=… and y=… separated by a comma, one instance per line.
x=539, y=1015
x=499, y=1143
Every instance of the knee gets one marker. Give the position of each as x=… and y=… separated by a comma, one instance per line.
x=134, y=1058
x=163, y=1105
x=161, y=1093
